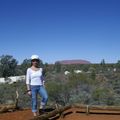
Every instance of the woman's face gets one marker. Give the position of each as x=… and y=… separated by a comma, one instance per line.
x=35, y=62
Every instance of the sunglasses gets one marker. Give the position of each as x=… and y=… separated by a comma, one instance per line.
x=35, y=60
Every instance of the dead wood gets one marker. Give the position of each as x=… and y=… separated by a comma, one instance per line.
x=56, y=112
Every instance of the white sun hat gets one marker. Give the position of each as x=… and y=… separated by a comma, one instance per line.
x=34, y=57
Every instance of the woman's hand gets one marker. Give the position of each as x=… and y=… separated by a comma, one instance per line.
x=29, y=92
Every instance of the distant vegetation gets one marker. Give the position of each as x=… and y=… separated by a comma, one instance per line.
x=97, y=84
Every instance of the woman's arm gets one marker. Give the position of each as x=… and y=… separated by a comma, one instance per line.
x=28, y=81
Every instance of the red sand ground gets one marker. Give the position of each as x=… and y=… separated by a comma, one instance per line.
x=27, y=114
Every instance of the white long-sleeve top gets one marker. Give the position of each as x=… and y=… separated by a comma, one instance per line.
x=34, y=77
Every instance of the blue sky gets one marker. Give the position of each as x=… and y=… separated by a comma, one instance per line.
x=61, y=29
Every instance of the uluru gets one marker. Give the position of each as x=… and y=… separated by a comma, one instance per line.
x=78, y=61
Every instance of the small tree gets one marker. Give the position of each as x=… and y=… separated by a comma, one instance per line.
x=8, y=66
x=57, y=67
x=103, y=66
x=117, y=65
x=25, y=64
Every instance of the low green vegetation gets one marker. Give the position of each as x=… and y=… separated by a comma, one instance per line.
x=96, y=84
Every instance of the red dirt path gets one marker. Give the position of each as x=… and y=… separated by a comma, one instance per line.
x=27, y=114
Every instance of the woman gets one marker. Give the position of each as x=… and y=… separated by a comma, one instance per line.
x=35, y=84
